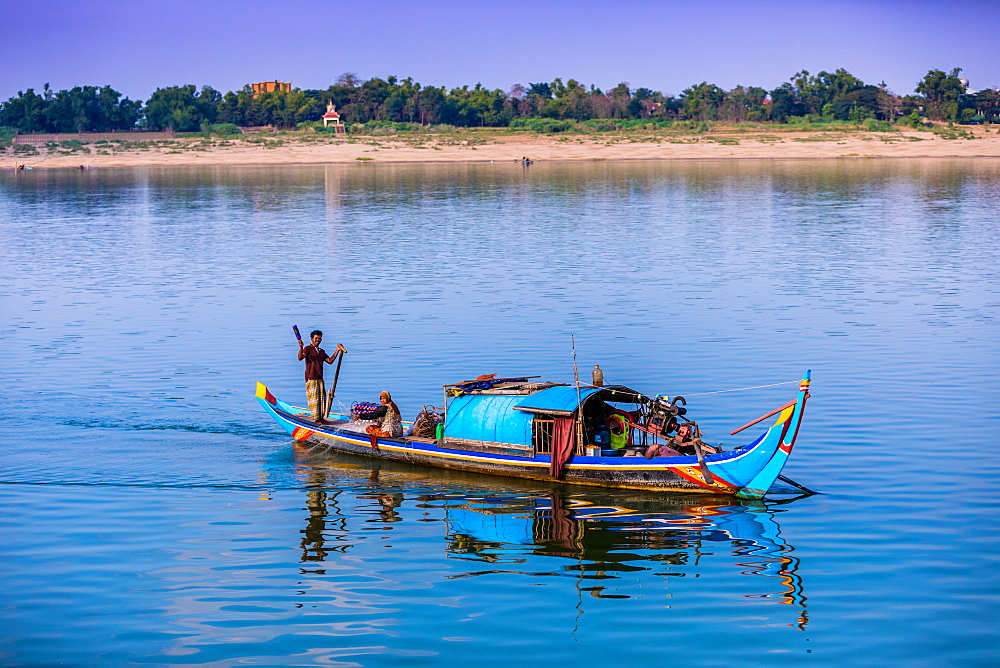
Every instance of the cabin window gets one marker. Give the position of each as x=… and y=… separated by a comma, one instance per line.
x=541, y=435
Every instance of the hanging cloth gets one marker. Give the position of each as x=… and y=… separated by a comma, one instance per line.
x=563, y=443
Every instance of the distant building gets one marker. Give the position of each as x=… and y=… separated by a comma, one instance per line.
x=270, y=87
x=965, y=84
x=332, y=117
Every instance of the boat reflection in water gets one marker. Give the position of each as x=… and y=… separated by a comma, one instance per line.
x=599, y=536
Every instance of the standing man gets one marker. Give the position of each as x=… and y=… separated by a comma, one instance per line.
x=315, y=387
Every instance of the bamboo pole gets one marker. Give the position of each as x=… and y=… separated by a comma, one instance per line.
x=764, y=417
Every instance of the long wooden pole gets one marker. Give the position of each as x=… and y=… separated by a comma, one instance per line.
x=764, y=417
x=333, y=389
x=795, y=484
x=579, y=408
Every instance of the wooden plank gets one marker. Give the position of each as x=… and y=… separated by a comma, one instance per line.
x=493, y=380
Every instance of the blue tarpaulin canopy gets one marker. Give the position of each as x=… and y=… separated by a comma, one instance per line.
x=506, y=418
x=488, y=418
x=560, y=400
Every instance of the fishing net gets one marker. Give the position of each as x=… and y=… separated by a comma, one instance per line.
x=425, y=424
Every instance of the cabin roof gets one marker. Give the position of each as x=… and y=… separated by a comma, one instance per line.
x=507, y=418
x=560, y=400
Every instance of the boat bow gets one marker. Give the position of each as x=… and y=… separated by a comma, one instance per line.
x=782, y=433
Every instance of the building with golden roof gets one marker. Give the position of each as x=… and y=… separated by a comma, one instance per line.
x=270, y=87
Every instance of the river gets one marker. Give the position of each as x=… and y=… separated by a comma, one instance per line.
x=151, y=513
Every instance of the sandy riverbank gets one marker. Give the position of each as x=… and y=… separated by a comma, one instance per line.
x=499, y=146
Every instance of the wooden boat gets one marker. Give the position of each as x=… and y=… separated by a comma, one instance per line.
x=544, y=431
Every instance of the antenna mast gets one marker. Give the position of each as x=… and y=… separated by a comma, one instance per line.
x=579, y=401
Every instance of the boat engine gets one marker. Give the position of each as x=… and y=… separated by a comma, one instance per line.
x=663, y=414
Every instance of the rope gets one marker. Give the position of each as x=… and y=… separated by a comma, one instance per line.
x=740, y=389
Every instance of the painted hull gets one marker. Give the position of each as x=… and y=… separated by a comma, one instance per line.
x=746, y=472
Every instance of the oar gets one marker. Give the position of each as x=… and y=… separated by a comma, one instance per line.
x=795, y=484
x=705, y=473
x=333, y=388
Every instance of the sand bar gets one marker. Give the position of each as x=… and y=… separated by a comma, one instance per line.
x=499, y=146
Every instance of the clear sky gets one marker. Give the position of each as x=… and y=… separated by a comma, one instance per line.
x=665, y=45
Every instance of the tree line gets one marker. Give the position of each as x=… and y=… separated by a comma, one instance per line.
x=939, y=96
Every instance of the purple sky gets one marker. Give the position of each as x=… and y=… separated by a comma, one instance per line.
x=665, y=45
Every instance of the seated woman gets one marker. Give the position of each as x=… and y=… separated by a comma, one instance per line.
x=389, y=421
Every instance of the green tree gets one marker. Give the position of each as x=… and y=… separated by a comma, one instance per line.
x=807, y=94
x=79, y=109
x=542, y=90
x=620, y=97
x=26, y=111
x=855, y=106
x=987, y=103
x=785, y=103
x=234, y=107
x=430, y=103
x=371, y=96
x=478, y=106
x=743, y=104
x=838, y=85
x=182, y=107
x=702, y=101
x=941, y=94
x=283, y=109
x=571, y=101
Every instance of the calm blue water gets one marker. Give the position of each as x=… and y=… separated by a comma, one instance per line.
x=150, y=513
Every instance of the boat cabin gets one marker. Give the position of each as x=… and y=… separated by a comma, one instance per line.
x=516, y=416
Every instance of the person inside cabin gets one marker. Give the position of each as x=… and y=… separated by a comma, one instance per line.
x=314, y=357
x=389, y=420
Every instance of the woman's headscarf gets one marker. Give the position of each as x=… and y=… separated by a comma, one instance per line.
x=390, y=404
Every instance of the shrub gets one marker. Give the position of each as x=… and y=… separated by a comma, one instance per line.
x=874, y=125
x=223, y=129
x=691, y=126
x=951, y=132
x=382, y=128
x=546, y=125
x=912, y=120
x=602, y=124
